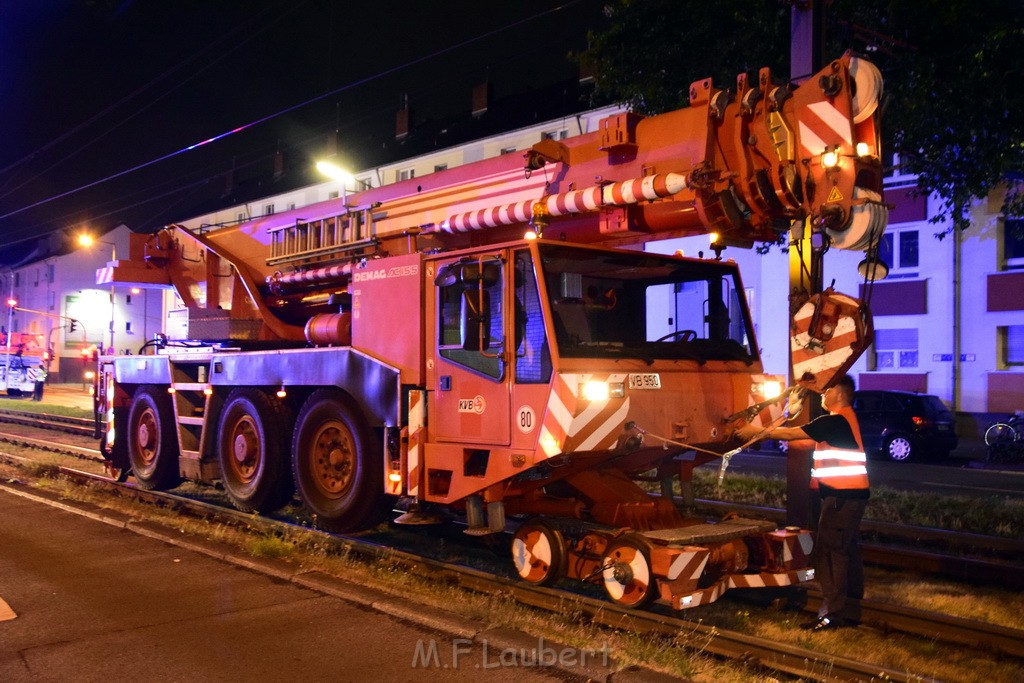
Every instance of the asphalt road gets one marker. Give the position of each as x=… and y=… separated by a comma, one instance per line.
x=86, y=601
x=954, y=477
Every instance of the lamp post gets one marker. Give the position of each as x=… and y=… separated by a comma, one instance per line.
x=86, y=240
x=11, y=303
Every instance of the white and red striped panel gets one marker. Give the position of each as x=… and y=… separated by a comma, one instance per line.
x=706, y=596
x=573, y=424
x=417, y=422
x=817, y=361
x=825, y=126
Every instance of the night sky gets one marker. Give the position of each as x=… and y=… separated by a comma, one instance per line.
x=91, y=89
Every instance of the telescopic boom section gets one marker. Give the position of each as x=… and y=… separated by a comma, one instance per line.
x=745, y=164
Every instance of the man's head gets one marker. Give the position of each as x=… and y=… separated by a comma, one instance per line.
x=838, y=395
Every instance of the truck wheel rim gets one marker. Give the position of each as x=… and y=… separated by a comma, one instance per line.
x=334, y=459
x=145, y=436
x=245, y=449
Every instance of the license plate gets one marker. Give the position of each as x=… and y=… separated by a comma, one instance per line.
x=649, y=380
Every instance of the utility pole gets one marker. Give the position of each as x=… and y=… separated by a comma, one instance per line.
x=806, y=252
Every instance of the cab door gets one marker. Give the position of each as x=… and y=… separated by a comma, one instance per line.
x=467, y=356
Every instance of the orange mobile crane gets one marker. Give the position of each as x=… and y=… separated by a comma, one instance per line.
x=409, y=342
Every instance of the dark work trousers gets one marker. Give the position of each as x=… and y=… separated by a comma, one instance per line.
x=839, y=567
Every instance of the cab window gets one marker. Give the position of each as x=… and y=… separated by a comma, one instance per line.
x=471, y=319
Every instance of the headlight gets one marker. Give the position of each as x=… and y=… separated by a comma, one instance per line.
x=595, y=391
x=771, y=388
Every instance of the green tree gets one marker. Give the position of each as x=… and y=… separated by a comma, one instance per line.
x=951, y=109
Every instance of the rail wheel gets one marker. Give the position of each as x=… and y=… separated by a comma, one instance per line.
x=539, y=553
x=252, y=446
x=152, y=439
x=628, y=578
x=899, y=448
x=338, y=464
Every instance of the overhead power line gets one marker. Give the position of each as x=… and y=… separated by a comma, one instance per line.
x=288, y=110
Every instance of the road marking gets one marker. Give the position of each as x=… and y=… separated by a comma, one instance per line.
x=6, y=613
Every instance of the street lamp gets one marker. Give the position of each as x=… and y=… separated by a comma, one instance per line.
x=335, y=172
x=87, y=241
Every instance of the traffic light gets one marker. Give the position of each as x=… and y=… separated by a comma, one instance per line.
x=73, y=326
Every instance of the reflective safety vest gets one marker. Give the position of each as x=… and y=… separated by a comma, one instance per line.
x=842, y=468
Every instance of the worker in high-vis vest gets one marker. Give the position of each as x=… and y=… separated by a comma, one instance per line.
x=840, y=474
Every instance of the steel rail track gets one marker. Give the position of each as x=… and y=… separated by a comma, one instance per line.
x=779, y=657
x=888, y=617
x=72, y=425
x=957, y=567
x=952, y=539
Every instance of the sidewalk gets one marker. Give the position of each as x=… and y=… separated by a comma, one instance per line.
x=67, y=395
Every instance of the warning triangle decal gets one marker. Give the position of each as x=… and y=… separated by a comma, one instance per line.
x=835, y=195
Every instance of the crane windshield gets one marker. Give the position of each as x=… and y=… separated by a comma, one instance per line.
x=639, y=305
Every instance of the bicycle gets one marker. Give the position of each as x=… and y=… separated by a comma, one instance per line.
x=1004, y=441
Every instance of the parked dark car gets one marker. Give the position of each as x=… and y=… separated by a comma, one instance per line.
x=900, y=425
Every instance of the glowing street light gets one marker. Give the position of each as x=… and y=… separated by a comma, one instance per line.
x=335, y=172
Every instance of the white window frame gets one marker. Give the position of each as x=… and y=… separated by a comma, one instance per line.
x=895, y=269
x=897, y=349
x=1010, y=340
x=1017, y=262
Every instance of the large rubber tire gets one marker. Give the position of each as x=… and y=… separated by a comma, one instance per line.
x=253, y=438
x=152, y=439
x=338, y=464
x=899, y=448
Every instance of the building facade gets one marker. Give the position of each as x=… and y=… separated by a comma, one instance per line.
x=60, y=310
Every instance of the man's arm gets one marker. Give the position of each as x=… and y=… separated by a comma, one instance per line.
x=749, y=431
